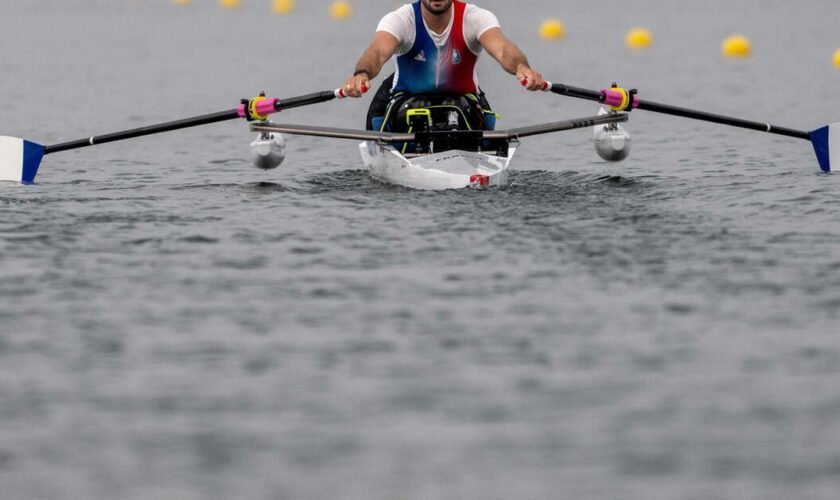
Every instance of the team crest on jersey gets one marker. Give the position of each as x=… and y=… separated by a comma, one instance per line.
x=456, y=56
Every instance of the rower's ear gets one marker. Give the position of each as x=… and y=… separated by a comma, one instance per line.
x=826, y=142
x=19, y=159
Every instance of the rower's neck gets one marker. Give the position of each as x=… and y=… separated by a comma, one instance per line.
x=437, y=22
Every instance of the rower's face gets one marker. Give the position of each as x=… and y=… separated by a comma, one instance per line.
x=437, y=6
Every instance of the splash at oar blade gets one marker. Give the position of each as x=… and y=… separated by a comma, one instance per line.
x=19, y=159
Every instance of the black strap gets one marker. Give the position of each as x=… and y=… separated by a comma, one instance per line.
x=631, y=99
x=247, y=104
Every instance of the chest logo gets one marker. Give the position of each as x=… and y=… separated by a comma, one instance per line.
x=420, y=57
x=456, y=57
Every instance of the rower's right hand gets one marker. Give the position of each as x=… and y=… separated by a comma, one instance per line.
x=356, y=86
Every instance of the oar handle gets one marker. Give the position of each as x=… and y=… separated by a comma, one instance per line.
x=261, y=108
x=342, y=93
x=608, y=97
x=612, y=97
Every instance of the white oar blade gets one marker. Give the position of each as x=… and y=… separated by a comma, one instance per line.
x=827, y=145
x=19, y=159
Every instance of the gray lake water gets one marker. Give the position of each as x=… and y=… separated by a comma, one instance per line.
x=177, y=324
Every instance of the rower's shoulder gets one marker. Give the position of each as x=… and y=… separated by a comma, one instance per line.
x=404, y=10
x=474, y=13
x=473, y=9
x=477, y=21
x=399, y=22
x=404, y=13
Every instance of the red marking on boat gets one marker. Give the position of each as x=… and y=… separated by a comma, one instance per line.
x=479, y=180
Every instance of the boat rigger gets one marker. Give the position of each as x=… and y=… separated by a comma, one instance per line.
x=440, y=159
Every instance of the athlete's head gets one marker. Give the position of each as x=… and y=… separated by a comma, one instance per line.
x=437, y=7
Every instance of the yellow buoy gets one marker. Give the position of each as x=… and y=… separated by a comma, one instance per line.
x=639, y=38
x=552, y=29
x=230, y=4
x=837, y=59
x=283, y=6
x=736, y=46
x=341, y=10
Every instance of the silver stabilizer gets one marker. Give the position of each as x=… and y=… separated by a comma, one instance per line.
x=612, y=142
x=268, y=150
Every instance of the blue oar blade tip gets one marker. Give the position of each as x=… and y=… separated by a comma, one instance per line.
x=19, y=159
x=826, y=141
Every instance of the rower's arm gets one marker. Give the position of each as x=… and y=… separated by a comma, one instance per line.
x=511, y=58
x=381, y=49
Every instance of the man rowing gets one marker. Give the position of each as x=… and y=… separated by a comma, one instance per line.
x=437, y=44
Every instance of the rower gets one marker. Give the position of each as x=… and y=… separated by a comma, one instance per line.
x=437, y=44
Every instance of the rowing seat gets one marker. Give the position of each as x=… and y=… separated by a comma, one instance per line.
x=471, y=114
x=438, y=113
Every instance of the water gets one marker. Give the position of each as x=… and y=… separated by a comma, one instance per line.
x=178, y=324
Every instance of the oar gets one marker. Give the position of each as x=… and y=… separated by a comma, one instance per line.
x=826, y=140
x=20, y=158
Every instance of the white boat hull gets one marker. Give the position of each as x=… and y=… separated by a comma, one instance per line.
x=453, y=169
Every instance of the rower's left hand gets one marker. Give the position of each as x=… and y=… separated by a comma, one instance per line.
x=530, y=79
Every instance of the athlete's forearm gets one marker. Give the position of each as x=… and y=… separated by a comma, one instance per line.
x=371, y=62
x=512, y=58
x=384, y=46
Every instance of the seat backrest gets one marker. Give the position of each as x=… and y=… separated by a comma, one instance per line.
x=440, y=106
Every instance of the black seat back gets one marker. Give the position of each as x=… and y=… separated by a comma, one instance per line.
x=441, y=106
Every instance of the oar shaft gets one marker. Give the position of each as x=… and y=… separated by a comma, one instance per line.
x=306, y=100
x=723, y=120
x=267, y=106
x=601, y=96
x=142, y=131
x=568, y=90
